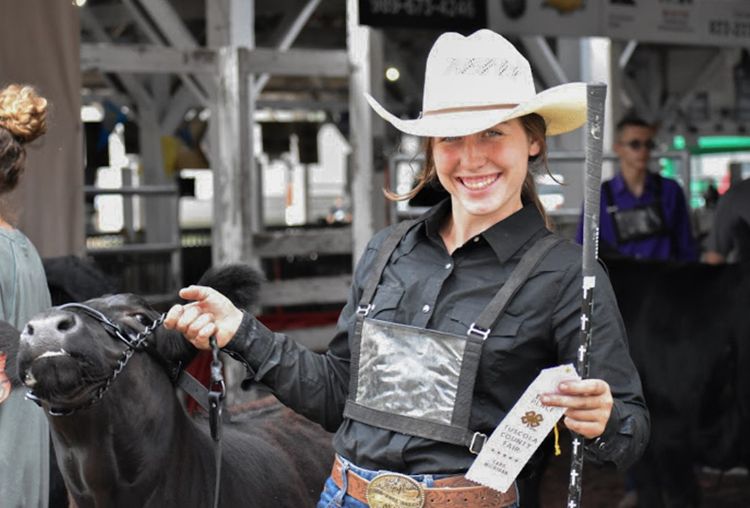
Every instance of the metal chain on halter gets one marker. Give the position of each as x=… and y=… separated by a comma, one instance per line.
x=216, y=391
x=137, y=343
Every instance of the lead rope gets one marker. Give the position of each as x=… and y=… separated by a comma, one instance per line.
x=215, y=397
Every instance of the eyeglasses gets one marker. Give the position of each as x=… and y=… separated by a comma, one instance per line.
x=637, y=144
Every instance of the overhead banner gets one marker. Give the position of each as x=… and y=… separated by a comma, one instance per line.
x=696, y=22
x=726, y=23
x=456, y=15
x=573, y=18
x=657, y=21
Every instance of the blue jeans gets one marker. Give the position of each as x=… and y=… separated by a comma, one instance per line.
x=335, y=497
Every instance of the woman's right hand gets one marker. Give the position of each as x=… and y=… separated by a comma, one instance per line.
x=209, y=314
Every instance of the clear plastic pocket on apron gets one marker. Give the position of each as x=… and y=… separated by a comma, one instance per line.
x=409, y=371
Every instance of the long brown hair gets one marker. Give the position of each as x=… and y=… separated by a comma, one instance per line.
x=23, y=115
x=536, y=130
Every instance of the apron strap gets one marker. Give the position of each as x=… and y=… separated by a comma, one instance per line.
x=384, y=254
x=531, y=258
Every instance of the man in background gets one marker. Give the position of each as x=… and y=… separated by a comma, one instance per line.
x=643, y=215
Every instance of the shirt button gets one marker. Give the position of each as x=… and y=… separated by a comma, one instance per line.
x=426, y=308
x=448, y=266
x=476, y=239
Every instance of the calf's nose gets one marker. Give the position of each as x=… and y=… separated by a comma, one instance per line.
x=51, y=330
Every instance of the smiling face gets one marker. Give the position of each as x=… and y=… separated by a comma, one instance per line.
x=484, y=172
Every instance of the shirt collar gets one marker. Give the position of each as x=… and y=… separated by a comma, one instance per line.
x=619, y=186
x=618, y=183
x=505, y=237
x=434, y=218
x=510, y=234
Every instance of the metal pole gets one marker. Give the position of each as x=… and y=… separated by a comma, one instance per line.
x=595, y=96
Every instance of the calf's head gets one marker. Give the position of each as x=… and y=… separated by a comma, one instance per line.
x=69, y=355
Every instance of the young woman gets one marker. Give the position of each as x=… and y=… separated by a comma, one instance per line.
x=24, y=435
x=427, y=360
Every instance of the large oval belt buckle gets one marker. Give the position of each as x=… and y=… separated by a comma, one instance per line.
x=393, y=490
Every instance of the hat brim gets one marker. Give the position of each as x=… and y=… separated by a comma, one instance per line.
x=563, y=108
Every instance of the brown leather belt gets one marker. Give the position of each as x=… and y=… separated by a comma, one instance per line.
x=453, y=491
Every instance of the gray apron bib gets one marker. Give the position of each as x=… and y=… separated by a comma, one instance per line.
x=640, y=222
x=417, y=381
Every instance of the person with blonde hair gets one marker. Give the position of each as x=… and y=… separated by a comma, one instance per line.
x=451, y=316
x=24, y=433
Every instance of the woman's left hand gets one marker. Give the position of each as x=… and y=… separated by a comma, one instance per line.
x=589, y=403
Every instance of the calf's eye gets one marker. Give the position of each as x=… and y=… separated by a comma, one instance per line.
x=142, y=319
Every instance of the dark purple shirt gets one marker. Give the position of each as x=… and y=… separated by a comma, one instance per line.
x=678, y=244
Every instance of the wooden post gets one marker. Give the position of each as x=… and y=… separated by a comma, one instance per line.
x=363, y=44
x=236, y=180
x=161, y=218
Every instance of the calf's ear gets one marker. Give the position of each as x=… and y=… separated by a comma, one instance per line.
x=9, y=340
x=240, y=283
x=172, y=346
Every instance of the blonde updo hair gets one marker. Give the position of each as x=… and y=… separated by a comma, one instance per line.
x=23, y=118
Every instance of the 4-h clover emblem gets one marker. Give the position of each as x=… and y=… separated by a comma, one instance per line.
x=532, y=419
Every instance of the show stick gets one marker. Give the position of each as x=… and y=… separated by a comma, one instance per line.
x=595, y=96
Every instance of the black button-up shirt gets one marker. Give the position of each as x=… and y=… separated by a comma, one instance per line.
x=424, y=286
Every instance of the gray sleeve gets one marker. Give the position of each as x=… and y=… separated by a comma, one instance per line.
x=720, y=238
x=7, y=291
x=627, y=431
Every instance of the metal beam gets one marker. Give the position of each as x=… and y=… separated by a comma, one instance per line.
x=336, y=106
x=169, y=23
x=334, y=289
x=544, y=60
x=622, y=62
x=150, y=59
x=174, y=31
x=638, y=102
x=303, y=242
x=181, y=100
x=298, y=62
x=112, y=14
x=141, y=190
x=704, y=74
x=155, y=38
x=146, y=27
x=146, y=59
x=295, y=27
x=134, y=87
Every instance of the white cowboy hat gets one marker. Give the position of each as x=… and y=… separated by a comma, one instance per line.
x=472, y=83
